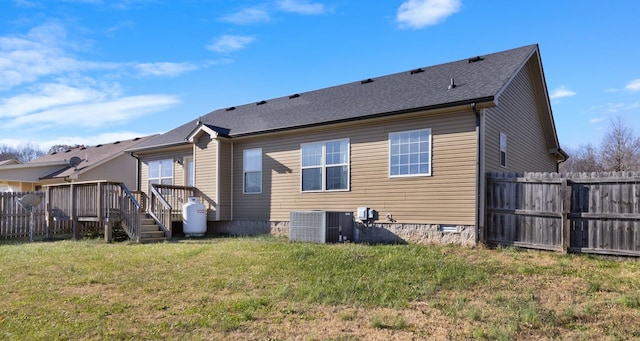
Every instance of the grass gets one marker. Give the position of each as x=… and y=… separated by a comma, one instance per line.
x=270, y=289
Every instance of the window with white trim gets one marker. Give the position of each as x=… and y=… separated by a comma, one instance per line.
x=410, y=153
x=252, y=170
x=161, y=172
x=503, y=150
x=325, y=166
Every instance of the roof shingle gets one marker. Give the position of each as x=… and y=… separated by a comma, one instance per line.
x=477, y=81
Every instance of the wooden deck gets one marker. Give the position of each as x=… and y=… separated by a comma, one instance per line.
x=81, y=206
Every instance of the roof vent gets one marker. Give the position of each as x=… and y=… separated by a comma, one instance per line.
x=113, y=143
x=452, y=84
x=368, y=80
x=418, y=70
x=261, y=103
x=294, y=96
x=98, y=146
x=83, y=148
x=230, y=109
x=136, y=139
x=475, y=59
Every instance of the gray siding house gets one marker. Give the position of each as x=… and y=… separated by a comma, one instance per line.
x=414, y=146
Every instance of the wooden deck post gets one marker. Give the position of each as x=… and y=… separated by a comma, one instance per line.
x=74, y=213
x=101, y=213
x=108, y=231
x=47, y=214
x=565, y=223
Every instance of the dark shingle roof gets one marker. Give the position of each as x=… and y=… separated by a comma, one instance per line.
x=477, y=81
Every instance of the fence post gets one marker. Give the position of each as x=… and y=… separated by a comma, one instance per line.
x=565, y=198
x=47, y=213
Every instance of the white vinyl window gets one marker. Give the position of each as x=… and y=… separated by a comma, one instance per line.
x=252, y=170
x=161, y=172
x=410, y=153
x=325, y=166
x=503, y=150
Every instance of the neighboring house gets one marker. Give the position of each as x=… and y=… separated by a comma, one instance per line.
x=413, y=145
x=100, y=162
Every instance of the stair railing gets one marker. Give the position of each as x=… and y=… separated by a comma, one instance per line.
x=160, y=210
x=130, y=209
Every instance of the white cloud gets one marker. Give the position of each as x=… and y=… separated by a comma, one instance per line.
x=596, y=120
x=27, y=4
x=248, y=16
x=561, y=92
x=40, y=53
x=95, y=114
x=614, y=108
x=634, y=85
x=25, y=59
x=46, y=96
x=126, y=24
x=423, y=13
x=301, y=7
x=228, y=43
x=165, y=69
x=47, y=86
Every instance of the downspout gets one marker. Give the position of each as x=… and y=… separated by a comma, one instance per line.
x=218, y=182
x=479, y=173
x=232, y=188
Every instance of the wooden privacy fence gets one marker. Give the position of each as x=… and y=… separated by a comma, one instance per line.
x=574, y=212
x=15, y=220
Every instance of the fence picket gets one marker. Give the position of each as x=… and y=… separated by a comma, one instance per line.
x=581, y=212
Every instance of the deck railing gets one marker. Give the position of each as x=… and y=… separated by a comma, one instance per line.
x=130, y=209
x=175, y=196
x=89, y=203
x=85, y=207
x=160, y=210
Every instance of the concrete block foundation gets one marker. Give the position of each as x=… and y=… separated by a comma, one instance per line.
x=377, y=233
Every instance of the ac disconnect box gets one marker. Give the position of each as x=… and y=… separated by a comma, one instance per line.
x=366, y=214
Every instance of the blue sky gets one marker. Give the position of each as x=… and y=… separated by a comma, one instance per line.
x=97, y=71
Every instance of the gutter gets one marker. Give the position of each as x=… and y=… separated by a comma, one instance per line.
x=157, y=146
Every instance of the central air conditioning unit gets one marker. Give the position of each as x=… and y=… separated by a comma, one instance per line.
x=320, y=226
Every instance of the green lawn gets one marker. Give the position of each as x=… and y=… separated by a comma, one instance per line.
x=270, y=289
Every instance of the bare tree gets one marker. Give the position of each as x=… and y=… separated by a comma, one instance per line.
x=620, y=148
x=584, y=159
x=22, y=153
x=59, y=148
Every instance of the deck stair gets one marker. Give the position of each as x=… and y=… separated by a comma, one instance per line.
x=150, y=231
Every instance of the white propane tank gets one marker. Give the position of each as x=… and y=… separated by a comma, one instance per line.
x=194, y=218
